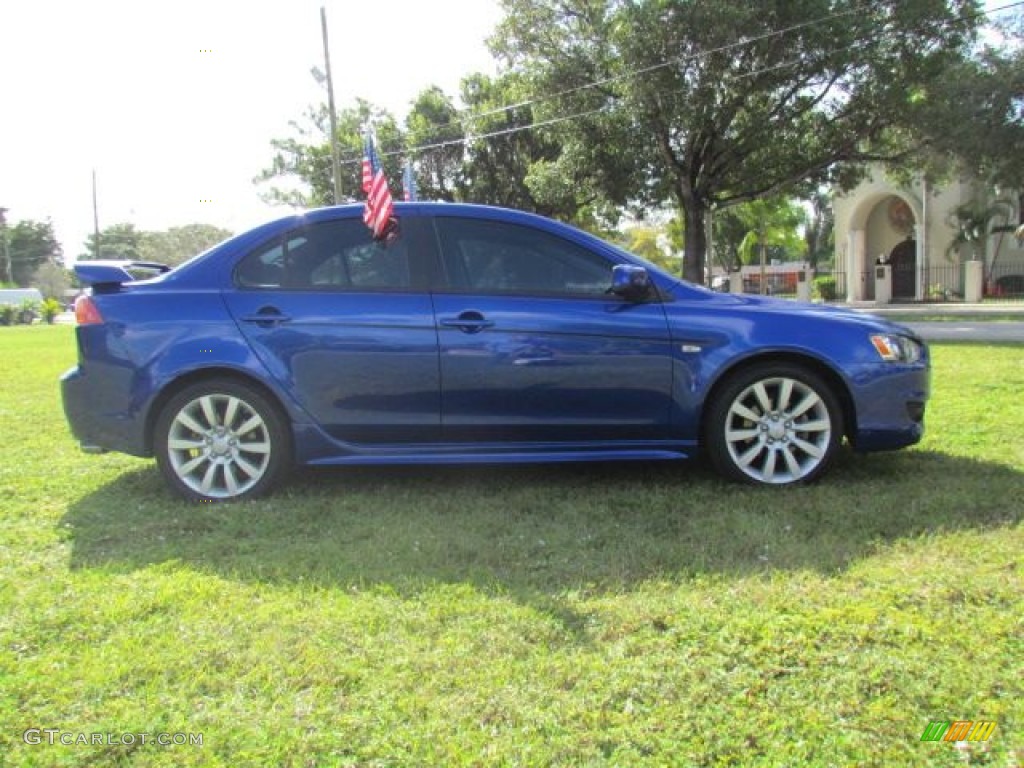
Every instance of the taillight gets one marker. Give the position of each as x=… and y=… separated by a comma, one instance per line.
x=86, y=311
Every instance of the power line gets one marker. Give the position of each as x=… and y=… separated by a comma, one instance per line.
x=692, y=57
x=554, y=120
x=666, y=63
x=644, y=71
x=602, y=82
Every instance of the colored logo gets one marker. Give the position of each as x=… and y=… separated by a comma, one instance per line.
x=959, y=730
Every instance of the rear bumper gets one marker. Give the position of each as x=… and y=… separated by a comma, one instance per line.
x=96, y=413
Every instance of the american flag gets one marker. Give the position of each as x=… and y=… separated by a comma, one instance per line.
x=379, y=205
x=409, y=182
x=370, y=161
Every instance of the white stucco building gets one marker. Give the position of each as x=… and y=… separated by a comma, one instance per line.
x=911, y=229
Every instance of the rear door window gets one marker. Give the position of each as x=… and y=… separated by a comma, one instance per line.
x=329, y=256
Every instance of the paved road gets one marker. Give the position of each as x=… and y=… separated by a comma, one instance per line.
x=966, y=330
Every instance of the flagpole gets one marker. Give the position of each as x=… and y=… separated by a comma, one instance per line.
x=335, y=161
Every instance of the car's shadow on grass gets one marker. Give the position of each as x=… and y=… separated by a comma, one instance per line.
x=539, y=531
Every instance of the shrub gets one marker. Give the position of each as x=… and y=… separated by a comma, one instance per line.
x=939, y=292
x=825, y=288
x=50, y=308
x=7, y=313
x=28, y=311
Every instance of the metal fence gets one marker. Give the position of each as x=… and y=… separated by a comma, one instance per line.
x=945, y=283
x=1005, y=281
x=937, y=283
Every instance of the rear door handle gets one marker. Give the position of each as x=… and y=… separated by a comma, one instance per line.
x=266, y=317
x=469, y=321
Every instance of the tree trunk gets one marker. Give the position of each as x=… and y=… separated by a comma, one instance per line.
x=695, y=239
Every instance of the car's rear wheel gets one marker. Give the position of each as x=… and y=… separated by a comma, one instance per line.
x=221, y=440
x=774, y=424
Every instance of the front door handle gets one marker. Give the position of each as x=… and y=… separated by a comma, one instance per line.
x=469, y=321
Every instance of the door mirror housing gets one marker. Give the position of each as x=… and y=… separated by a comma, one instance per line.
x=630, y=282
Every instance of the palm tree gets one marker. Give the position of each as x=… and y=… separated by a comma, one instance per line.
x=973, y=223
x=772, y=222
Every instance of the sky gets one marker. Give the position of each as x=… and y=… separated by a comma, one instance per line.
x=175, y=104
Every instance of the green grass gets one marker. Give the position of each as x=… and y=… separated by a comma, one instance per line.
x=578, y=615
x=952, y=317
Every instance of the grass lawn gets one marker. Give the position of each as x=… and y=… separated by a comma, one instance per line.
x=952, y=317
x=554, y=616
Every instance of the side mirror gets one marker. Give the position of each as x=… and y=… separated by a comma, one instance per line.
x=630, y=282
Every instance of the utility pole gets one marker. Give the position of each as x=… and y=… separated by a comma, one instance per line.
x=335, y=160
x=95, y=219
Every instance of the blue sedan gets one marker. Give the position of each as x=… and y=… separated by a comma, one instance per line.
x=468, y=335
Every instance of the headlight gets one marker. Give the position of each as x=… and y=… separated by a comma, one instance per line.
x=896, y=349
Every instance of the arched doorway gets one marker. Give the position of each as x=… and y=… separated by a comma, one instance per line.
x=879, y=222
x=903, y=259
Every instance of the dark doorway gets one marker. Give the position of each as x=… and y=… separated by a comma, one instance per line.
x=903, y=260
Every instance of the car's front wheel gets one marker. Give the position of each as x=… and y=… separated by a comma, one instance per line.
x=774, y=424
x=221, y=440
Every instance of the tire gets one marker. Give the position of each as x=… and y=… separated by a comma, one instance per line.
x=774, y=424
x=221, y=440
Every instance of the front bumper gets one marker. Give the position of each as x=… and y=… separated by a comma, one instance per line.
x=890, y=402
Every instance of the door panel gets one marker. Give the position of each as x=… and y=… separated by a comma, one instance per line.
x=363, y=363
x=561, y=370
x=533, y=348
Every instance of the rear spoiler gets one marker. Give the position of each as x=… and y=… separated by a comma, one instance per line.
x=109, y=274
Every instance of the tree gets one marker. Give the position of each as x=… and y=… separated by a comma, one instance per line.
x=434, y=124
x=493, y=152
x=650, y=242
x=973, y=223
x=5, y=259
x=971, y=119
x=719, y=102
x=819, y=233
x=501, y=147
x=728, y=229
x=30, y=244
x=52, y=280
x=772, y=222
x=178, y=244
x=303, y=162
x=118, y=241
x=516, y=161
